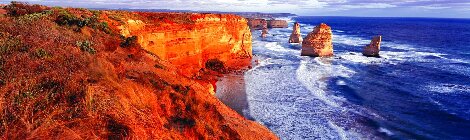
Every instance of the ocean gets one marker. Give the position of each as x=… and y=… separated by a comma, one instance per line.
x=418, y=89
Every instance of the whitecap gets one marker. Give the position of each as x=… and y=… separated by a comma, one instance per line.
x=448, y=88
x=350, y=40
x=386, y=131
x=339, y=31
x=340, y=83
x=275, y=46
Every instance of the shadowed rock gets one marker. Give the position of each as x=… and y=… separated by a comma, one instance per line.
x=318, y=43
x=373, y=49
x=295, y=37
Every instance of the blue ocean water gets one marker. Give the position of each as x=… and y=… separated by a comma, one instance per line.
x=418, y=89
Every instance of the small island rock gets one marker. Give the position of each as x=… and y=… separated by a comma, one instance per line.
x=319, y=42
x=373, y=49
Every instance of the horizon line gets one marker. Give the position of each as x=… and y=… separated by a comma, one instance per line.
x=296, y=15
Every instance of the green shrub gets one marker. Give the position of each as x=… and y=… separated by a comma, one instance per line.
x=34, y=16
x=181, y=89
x=86, y=46
x=128, y=41
x=9, y=43
x=22, y=8
x=65, y=18
x=159, y=66
x=41, y=53
x=103, y=26
x=215, y=65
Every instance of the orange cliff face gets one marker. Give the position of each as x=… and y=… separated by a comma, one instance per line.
x=190, y=44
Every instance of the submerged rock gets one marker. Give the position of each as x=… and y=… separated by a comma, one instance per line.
x=373, y=49
x=295, y=37
x=318, y=42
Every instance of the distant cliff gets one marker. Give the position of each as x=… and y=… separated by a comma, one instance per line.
x=277, y=24
x=69, y=73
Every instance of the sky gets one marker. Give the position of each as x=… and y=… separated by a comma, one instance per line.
x=363, y=8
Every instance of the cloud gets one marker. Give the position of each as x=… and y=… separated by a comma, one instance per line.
x=292, y=6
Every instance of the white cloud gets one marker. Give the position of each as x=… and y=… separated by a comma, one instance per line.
x=305, y=7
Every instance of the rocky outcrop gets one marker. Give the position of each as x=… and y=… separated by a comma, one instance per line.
x=295, y=37
x=318, y=43
x=373, y=49
x=190, y=45
x=264, y=32
x=277, y=24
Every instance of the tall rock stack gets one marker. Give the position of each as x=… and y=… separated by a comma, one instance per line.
x=373, y=49
x=264, y=32
x=318, y=43
x=295, y=37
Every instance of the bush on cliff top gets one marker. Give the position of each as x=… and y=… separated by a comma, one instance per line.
x=22, y=8
x=66, y=18
x=86, y=46
x=128, y=42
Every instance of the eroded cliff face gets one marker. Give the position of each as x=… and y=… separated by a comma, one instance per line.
x=189, y=45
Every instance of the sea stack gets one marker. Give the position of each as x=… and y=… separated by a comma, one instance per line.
x=318, y=43
x=373, y=49
x=264, y=32
x=295, y=37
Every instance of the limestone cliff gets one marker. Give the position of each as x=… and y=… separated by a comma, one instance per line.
x=295, y=37
x=373, y=49
x=318, y=42
x=189, y=45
